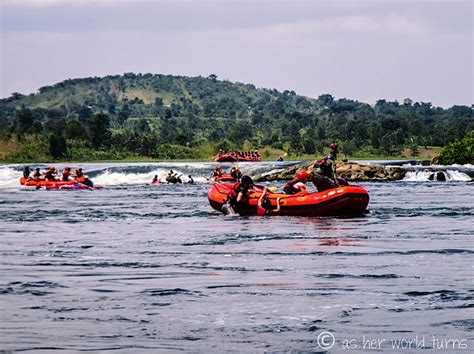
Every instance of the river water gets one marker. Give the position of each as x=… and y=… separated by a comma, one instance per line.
x=136, y=267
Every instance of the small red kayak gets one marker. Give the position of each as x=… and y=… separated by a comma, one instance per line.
x=340, y=201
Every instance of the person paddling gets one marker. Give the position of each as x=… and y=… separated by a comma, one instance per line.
x=66, y=174
x=235, y=173
x=81, y=178
x=26, y=172
x=37, y=174
x=50, y=174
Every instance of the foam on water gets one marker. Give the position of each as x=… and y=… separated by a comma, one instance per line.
x=117, y=178
x=9, y=177
x=425, y=175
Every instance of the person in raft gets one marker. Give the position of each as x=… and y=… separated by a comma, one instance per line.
x=218, y=172
x=26, y=172
x=50, y=174
x=37, y=174
x=190, y=179
x=324, y=174
x=83, y=179
x=66, y=174
x=264, y=206
x=235, y=172
x=297, y=184
x=155, y=179
x=238, y=194
x=173, y=177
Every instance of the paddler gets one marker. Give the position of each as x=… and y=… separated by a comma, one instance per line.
x=155, y=179
x=26, y=172
x=235, y=172
x=37, y=174
x=297, y=184
x=81, y=178
x=66, y=174
x=218, y=172
x=50, y=174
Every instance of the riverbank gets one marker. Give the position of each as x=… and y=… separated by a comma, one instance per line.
x=33, y=150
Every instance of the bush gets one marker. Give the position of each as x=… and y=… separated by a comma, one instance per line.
x=460, y=151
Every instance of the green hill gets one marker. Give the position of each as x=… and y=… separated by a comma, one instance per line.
x=164, y=116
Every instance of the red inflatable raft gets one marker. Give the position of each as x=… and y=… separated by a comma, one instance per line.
x=233, y=158
x=341, y=201
x=226, y=177
x=73, y=184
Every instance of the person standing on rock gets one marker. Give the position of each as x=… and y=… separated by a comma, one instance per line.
x=334, y=149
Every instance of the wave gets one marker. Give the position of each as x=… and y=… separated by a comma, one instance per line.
x=431, y=175
x=9, y=177
x=126, y=173
x=109, y=178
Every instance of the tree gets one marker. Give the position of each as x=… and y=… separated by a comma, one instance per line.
x=75, y=130
x=461, y=151
x=57, y=146
x=349, y=148
x=98, y=129
x=25, y=120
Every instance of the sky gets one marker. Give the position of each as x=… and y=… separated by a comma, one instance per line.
x=364, y=50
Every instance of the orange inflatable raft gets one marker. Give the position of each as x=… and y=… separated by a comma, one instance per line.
x=73, y=184
x=341, y=201
x=234, y=158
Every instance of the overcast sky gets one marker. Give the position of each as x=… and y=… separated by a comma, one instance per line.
x=364, y=50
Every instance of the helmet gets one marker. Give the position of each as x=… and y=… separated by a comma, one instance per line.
x=302, y=175
x=67, y=168
x=246, y=180
x=330, y=157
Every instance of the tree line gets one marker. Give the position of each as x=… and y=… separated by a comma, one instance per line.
x=161, y=117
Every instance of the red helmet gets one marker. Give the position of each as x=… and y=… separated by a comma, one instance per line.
x=302, y=175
